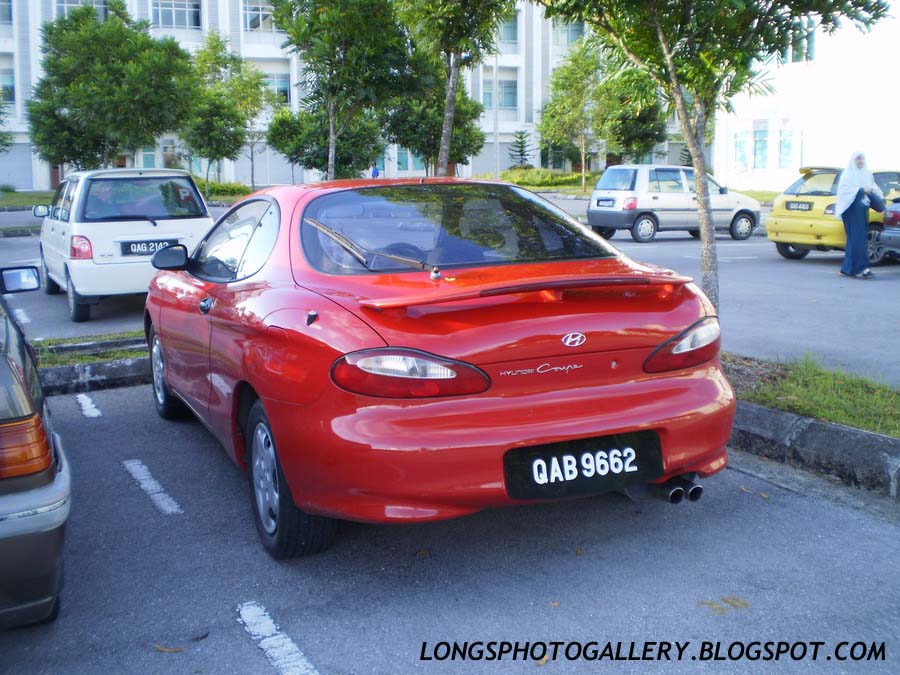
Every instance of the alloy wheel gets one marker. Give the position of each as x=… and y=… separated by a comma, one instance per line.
x=265, y=478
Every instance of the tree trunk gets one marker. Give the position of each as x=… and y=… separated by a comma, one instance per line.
x=252, y=168
x=581, y=144
x=332, y=139
x=206, y=187
x=449, y=113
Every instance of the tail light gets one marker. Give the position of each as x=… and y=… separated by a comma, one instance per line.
x=24, y=448
x=80, y=248
x=406, y=373
x=630, y=204
x=698, y=344
x=829, y=210
x=892, y=217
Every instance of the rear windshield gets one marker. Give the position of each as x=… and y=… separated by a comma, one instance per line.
x=156, y=197
x=617, y=179
x=819, y=184
x=351, y=232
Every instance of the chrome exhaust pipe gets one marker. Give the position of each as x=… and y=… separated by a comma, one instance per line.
x=668, y=492
x=693, y=491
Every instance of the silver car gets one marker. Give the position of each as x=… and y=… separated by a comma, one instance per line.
x=647, y=198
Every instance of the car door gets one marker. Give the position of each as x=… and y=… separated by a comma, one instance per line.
x=192, y=297
x=668, y=197
x=51, y=233
x=720, y=204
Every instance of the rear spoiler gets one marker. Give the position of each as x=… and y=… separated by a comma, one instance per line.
x=809, y=169
x=553, y=284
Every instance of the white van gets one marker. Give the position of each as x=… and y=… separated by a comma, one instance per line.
x=647, y=198
x=103, y=226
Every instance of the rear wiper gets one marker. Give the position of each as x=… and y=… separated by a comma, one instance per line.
x=111, y=218
x=365, y=256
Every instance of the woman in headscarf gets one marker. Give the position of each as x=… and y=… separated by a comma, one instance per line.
x=854, y=188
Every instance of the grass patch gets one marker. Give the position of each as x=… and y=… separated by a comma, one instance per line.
x=25, y=198
x=48, y=359
x=762, y=196
x=806, y=388
x=125, y=335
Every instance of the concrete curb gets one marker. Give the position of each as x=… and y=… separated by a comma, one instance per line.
x=858, y=458
x=20, y=231
x=85, y=377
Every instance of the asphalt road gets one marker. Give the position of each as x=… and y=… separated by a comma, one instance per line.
x=768, y=554
x=770, y=307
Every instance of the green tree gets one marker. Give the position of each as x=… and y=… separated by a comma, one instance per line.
x=462, y=32
x=108, y=88
x=242, y=84
x=568, y=115
x=520, y=150
x=6, y=138
x=416, y=122
x=353, y=54
x=216, y=130
x=628, y=113
x=700, y=53
x=303, y=138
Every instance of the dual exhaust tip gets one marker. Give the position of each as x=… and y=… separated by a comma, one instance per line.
x=674, y=491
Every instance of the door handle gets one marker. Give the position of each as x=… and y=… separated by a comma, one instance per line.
x=654, y=197
x=206, y=305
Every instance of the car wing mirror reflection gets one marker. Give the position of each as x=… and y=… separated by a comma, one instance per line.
x=173, y=257
x=19, y=279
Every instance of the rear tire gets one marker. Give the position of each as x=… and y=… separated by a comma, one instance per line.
x=742, y=227
x=284, y=530
x=168, y=406
x=50, y=287
x=78, y=310
x=607, y=232
x=644, y=228
x=877, y=252
x=790, y=251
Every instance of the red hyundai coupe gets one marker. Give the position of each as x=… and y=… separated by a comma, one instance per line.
x=414, y=350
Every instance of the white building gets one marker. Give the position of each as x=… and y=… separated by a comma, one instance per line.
x=530, y=46
x=833, y=94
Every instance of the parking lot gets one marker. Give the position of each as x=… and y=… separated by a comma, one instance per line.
x=179, y=583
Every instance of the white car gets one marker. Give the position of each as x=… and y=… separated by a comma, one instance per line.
x=647, y=198
x=103, y=226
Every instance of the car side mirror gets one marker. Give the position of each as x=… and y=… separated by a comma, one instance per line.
x=723, y=190
x=174, y=257
x=19, y=279
x=40, y=211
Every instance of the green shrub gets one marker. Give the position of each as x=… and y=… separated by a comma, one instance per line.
x=217, y=189
x=7, y=188
x=546, y=177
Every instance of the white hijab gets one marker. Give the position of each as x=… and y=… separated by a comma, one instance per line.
x=852, y=179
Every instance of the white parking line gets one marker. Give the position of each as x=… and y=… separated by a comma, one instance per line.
x=21, y=315
x=281, y=651
x=88, y=409
x=151, y=486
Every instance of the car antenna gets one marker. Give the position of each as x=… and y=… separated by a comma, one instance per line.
x=422, y=180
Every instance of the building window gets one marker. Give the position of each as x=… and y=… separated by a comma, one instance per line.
x=565, y=34
x=63, y=7
x=5, y=11
x=402, y=159
x=176, y=13
x=258, y=16
x=509, y=94
x=760, y=144
x=418, y=164
x=509, y=30
x=7, y=86
x=380, y=163
x=785, y=149
x=487, y=93
x=148, y=159
x=740, y=151
x=280, y=83
x=507, y=86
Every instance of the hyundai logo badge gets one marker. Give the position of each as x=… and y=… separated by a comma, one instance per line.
x=574, y=339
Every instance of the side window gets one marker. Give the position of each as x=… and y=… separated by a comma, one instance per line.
x=665, y=180
x=65, y=208
x=262, y=241
x=711, y=185
x=219, y=254
x=888, y=181
x=57, y=199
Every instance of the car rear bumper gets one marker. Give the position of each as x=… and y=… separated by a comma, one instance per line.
x=805, y=232
x=32, y=531
x=890, y=238
x=384, y=460
x=100, y=280
x=620, y=220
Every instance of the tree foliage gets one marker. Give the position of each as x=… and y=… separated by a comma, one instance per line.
x=628, y=114
x=569, y=114
x=108, y=87
x=302, y=137
x=416, y=122
x=6, y=138
x=520, y=150
x=701, y=53
x=353, y=54
x=461, y=32
x=216, y=129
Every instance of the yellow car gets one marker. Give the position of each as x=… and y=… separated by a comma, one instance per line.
x=802, y=219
